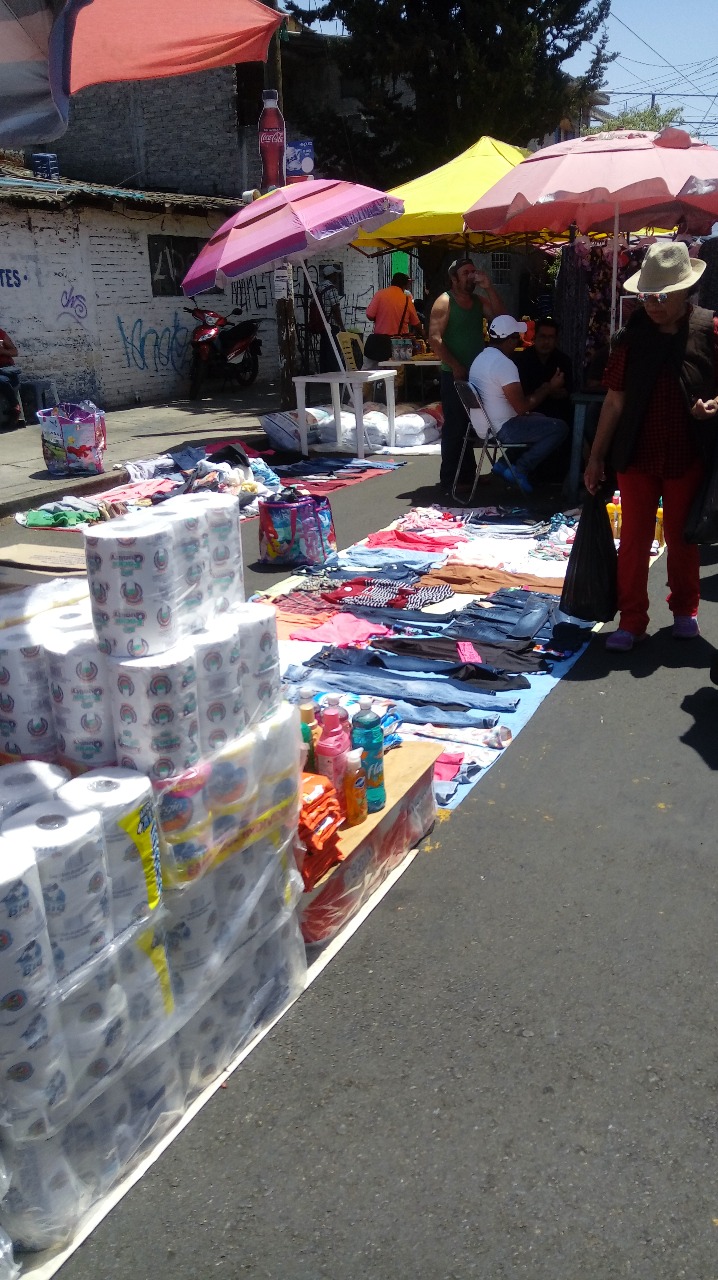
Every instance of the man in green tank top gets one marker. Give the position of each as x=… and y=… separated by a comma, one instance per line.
x=456, y=334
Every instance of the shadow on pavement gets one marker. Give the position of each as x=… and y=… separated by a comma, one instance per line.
x=702, y=736
x=659, y=651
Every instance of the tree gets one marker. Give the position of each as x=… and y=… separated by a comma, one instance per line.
x=431, y=76
x=650, y=118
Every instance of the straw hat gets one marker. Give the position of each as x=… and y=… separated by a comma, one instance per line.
x=667, y=268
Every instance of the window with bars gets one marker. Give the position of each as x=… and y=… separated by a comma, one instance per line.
x=501, y=268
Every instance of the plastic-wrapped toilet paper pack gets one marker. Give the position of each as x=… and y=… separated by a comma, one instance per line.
x=279, y=742
x=98, y=1142
x=97, y=1032
x=191, y=537
x=259, y=649
x=135, y=588
x=71, y=859
x=26, y=724
x=9, y=1269
x=145, y=977
x=204, y=1044
x=75, y=617
x=219, y=684
x=46, y=1199
x=28, y=782
x=35, y=1073
x=154, y=702
x=193, y=939
x=27, y=969
x=225, y=550
x=156, y=1093
x=232, y=788
x=80, y=694
x=125, y=803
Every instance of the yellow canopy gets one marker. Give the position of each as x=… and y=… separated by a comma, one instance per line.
x=435, y=203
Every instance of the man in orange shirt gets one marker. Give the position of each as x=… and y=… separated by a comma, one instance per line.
x=394, y=314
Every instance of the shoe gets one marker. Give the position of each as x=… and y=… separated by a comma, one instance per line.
x=621, y=641
x=512, y=477
x=685, y=627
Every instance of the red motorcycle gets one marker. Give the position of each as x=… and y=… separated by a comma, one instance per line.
x=222, y=349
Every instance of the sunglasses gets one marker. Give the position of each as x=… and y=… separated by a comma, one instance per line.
x=653, y=297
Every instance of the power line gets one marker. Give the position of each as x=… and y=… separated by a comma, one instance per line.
x=650, y=46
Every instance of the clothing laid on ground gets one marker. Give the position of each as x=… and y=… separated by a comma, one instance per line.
x=464, y=337
x=476, y=580
x=476, y=674
x=387, y=308
x=659, y=450
x=534, y=372
x=439, y=691
x=343, y=628
x=510, y=655
x=490, y=372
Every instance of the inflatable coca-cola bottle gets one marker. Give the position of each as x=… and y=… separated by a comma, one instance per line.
x=272, y=138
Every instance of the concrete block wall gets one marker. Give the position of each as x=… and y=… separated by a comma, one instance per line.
x=174, y=134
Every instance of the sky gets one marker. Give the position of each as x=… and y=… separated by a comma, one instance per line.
x=685, y=36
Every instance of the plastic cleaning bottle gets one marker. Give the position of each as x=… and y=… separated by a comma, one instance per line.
x=334, y=700
x=367, y=733
x=331, y=751
x=660, y=535
x=310, y=733
x=355, y=801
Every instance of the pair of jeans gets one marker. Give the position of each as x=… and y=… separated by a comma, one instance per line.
x=467, y=672
x=411, y=714
x=509, y=656
x=542, y=435
x=452, y=435
x=362, y=558
x=437, y=691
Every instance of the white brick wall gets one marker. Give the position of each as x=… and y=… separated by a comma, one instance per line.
x=84, y=314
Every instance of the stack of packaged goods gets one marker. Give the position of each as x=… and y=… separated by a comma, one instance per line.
x=148, y=899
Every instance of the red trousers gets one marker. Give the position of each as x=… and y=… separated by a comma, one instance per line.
x=639, y=499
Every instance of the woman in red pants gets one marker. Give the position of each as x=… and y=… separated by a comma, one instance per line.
x=661, y=376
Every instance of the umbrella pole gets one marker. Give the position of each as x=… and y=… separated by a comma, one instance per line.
x=614, y=272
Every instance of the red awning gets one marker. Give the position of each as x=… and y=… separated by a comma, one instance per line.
x=141, y=39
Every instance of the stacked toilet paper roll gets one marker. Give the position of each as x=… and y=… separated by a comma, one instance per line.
x=27, y=969
x=80, y=692
x=191, y=538
x=134, y=576
x=145, y=976
x=232, y=789
x=98, y=1141
x=193, y=940
x=26, y=783
x=204, y=1046
x=70, y=852
x=259, y=649
x=225, y=551
x=155, y=1091
x=46, y=1199
x=26, y=725
x=36, y=1079
x=125, y=803
x=279, y=743
x=95, y=1020
x=154, y=701
x=219, y=683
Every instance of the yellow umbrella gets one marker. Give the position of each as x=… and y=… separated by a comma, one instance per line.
x=434, y=204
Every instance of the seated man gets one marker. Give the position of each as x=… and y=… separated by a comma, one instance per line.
x=537, y=364
x=513, y=414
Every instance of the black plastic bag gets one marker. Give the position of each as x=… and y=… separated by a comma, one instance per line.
x=702, y=522
x=590, y=590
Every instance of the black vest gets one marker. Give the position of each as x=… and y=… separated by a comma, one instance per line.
x=689, y=354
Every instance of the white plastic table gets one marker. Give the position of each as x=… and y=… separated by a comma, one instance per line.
x=356, y=379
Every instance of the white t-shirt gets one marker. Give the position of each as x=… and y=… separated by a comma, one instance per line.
x=490, y=372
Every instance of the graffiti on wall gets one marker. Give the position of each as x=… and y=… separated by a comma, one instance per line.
x=253, y=294
x=73, y=304
x=153, y=350
x=10, y=278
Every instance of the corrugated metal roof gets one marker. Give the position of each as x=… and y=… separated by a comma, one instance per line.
x=19, y=186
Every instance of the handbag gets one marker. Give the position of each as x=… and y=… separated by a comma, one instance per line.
x=378, y=346
x=296, y=528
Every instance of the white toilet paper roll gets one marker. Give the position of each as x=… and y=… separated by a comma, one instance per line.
x=98, y=1142
x=257, y=632
x=203, y=1046
x=125, y=803
x=69, y=618
x=225, y=550
x=27, y=970
x=80, y=692
x=192, y=939
x=134, y=580
x=70, y=852
x=46, y=1199
x=156, y=1091
x=97, y=1037
x=154, y=703
x=191, y=537
x=26, y=726
x=145, y=976
x=26, y=783
x=219, y=684
x=35, y=1072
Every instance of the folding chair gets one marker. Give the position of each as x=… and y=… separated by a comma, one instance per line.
x=491, y=446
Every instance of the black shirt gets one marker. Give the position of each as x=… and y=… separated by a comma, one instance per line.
x=534, y=372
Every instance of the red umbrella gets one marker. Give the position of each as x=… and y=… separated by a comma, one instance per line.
x=602, y=182
x=51, y=48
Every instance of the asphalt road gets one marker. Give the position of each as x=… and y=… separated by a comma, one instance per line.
x=510, y=1070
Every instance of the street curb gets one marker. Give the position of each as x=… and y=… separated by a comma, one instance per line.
x=76, y=486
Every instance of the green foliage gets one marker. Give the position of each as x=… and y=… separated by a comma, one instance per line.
x=649, y=118
x=432, y=76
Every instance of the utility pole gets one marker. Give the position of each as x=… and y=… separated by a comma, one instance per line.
x=283, y=281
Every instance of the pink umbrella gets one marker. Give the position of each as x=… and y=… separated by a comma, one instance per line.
x=289, y=225
x=603, y=181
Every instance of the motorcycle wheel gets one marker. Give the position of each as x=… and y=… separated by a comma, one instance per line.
x=245, y=372
x=196, y=378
